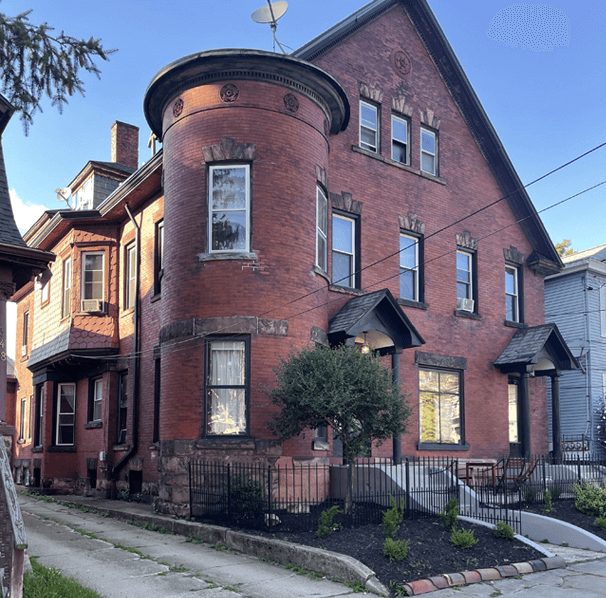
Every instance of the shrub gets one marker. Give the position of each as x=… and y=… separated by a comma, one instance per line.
x=547, y=503
x=601, y=523
x=392, y=519
x=463, y=538
x=449, y=514
x=246, y=498
x=326, y=525
x=556, y=493
x=590, y=500
x=395, y=550
x=502, y=530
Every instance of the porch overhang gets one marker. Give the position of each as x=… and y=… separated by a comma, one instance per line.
x=378, y=319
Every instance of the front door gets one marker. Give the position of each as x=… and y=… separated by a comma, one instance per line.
x=515, y=432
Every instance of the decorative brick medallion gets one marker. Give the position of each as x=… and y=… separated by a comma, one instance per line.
x=178, y=108
x=291, y=103
x=229, y=93
x=401, y=63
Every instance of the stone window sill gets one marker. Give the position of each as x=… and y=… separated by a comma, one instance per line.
x=320, y=272
x=117, y=448
x=93, y=425
x=249, y=256
x=461, y=313
x=410, y=303
x=62, y=449
x=337, y=288
x=38, y=449
x=515, y=324
x=155, y=298
x=436, y=446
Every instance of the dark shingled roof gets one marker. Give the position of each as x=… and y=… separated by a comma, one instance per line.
x=9, y=233
x=353, y=310
x=58, y=345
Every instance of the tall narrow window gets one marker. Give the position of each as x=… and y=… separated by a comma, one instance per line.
x=66, y=305
x=321, y=229
x=465, y=281
x=603, y=309
x=512, y=391
x=229, y=217
x=22, y=420
x=96, y=400
x=130, y=277
x=399, y=139
x=226, y=387
x=122, y=406
x=369, y=126
x=440, y=406
x=93, y=278
x=409, y=268
x=66, y=415
x=25, y=333
x=344, y=259
x=429, y=152
x=38, y=430
x=512, y=309
x=45, y=293
x=159, y=257
x=157, y=387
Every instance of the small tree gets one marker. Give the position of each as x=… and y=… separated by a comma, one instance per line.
x=564, y=248
x=352, y=393
x=34, y=62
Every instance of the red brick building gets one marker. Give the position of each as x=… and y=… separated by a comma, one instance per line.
x=353, y=192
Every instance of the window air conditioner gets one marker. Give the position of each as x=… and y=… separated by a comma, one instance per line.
x=465, y=304
x=23, y=350
x=93, y=306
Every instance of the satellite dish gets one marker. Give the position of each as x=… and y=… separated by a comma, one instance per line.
x=64, y=194
x=270, y=14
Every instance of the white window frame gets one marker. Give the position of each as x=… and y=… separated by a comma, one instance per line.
x=425, y=152
x=97, y=400
x=350, y=281
x=321, y=229
x=66, y=413
x=515, y=294
x=22, y=420
x=24, y=341
x=66, y=304
x=395, y=141
x=130, y=276
x=368, y=126
x=159, y=257
x=470, y=294
x=211, y=171
x=408, y=240
x=603, y=310
x=84, y=270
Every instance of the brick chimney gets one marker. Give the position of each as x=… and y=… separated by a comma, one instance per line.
x=125, y=144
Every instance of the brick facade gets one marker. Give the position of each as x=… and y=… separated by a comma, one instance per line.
x=296, y=129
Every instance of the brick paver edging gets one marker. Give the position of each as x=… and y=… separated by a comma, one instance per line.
x=449, y=580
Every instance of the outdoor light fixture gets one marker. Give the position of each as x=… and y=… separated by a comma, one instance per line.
x=365, y=348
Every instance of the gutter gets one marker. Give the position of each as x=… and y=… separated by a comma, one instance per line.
x=137, y=345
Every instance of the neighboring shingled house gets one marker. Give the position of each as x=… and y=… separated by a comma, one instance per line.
x=297, y=198
x=575, y=299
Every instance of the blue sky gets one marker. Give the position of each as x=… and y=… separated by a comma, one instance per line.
x=538, y=69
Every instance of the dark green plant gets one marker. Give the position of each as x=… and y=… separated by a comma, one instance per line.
x=590, y=500
x=547, y=503
x=449, y=514
x=392, y=519
x=502, y=530
x=246, y=498
x=529, y=495
x=49, y=583
x=601, y=523
x=395, y=550
x=325, y=524
x=463, y=538
x=556, y=493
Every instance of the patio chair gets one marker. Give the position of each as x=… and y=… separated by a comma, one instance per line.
x=516, y=472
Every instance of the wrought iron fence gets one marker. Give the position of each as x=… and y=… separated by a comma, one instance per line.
x=293, y=497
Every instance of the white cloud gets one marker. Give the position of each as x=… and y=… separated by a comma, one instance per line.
x=25, y=213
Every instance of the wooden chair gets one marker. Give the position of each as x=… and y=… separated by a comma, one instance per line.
x=516, y=472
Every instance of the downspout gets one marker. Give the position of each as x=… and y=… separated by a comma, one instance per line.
x=137, y=346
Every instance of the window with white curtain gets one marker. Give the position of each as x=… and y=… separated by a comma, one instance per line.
x=226, y=387
x=66, y=415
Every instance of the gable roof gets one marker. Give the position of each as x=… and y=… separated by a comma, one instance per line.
x=545, y=259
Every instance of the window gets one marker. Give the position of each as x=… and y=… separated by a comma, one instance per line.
x=229, y=208
x=226, y=387
x=66, y=306
x=429, y=152
x=440, y=406
x=466, y=281
x=93, y=276
x=157, y=379
x=321, y=229
x=66, y=415
x=22, y=421
x=25, y=333
x=603, y=309
x=369, y=126
x=410, y=279
x=159, y=257
x=122, y=406
x=38, y=429
x=95, y=400
x=512, y=392
x=45, y=293
x=512, y=301
x=344, y=254
x=399, y=139
x=130, y=276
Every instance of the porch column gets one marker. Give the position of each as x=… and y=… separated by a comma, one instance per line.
x=525, y=414
x=397, y=441
x=6, y=289
x=556, y=420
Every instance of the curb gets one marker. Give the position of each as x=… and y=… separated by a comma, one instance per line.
x=450, y=580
